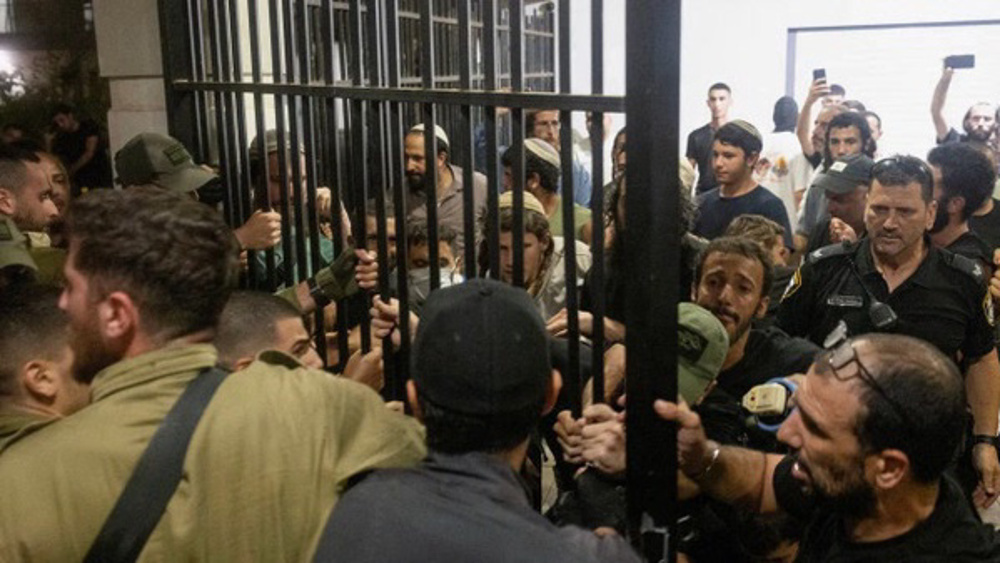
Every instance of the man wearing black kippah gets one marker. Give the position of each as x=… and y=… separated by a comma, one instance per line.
x=735, y=152
x=482, y=378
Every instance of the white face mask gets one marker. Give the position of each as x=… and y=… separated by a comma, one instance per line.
x=419, y=284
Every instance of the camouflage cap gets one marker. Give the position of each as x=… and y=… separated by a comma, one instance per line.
x=152, y=158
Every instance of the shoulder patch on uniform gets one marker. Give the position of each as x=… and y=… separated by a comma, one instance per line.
x=793, y=284
x=839, y=249
x=966, y=265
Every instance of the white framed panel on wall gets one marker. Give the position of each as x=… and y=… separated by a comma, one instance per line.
x=893, y=70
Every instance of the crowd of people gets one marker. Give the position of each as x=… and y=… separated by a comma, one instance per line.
x=839, y=384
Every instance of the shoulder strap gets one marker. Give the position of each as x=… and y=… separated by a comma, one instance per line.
x=829, y=251
x=156, y=476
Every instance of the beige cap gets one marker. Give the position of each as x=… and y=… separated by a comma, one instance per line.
x=531, y=202
x=542, y=150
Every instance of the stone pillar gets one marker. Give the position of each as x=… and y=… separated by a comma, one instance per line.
x=129, y=54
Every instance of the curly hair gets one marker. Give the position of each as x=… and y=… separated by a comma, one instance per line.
x=174, y=256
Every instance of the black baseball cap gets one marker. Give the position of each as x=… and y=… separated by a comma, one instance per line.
x=846, y=174
x=481, y=349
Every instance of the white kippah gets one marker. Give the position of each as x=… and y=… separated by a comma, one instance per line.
x=542, y=150
x=438, y=132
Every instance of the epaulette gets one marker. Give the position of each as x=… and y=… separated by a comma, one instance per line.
x=966, y=265
x=276, y=358
x=829, y=251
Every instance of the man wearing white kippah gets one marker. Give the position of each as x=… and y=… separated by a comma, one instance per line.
x=449, y=186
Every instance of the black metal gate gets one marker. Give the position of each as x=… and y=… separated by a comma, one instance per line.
x=342, y=83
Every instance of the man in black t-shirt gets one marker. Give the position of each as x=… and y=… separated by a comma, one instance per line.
x=979, y=122
x=699, y=142
x=963, y=180
x=82, y=149
x=877, y=420
x=733, y=281
x=735, y=152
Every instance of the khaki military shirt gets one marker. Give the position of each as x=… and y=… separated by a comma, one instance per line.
x=268, y=460
x=16, y=423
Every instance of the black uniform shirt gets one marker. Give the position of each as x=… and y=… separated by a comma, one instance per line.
x=944, y=302
x=951, y=533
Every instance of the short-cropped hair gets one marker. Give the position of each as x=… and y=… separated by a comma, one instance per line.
x=247, y=324
x=172, y=255
x=32, y=327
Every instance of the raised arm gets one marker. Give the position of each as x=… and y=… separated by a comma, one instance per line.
x=937, y=103
x=803, y=128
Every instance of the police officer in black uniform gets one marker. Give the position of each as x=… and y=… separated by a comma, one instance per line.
x=895, y=281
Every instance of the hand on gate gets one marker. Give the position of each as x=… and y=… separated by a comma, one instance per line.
x=603, y=439
x=366, y=270
x=692, y=444
x=366, y=369
x=261, y=231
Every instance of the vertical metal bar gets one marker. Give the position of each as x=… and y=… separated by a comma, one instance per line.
x=221, y=117
x=399, y=188
x=517, y=170
x=292, y=31
x=379, y=155
x=336, y=169
x=465, y=137
x=288, y=250
x=597, y=196
x=493, y=182
x=309, y=134
x=261, y=200
x=198, y=136
x=571, y=379
x=180, y=36
x=230, y=74
x=430, y=140
x=653, y=256
x=359, y=161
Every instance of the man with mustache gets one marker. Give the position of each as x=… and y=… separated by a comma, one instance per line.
x=449, y=183
x=979, y=122
x=877, y=421
x=733, y=280
x=895, y=280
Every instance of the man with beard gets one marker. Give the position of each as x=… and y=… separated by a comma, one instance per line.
x=733, y=280
x=963, y=180
x=275, y=446
x=878, y=420
x=896, y=281
x=979, y=122
x=449, y=186
x=25, y=192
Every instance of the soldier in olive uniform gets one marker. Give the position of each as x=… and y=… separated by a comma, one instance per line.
x=270, y=455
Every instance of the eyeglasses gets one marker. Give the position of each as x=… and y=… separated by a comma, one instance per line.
x=909, y=165
x=845, y=354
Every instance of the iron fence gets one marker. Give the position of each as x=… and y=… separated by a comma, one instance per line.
x=341, y=83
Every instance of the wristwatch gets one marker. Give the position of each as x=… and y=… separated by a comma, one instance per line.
x=985, y=439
